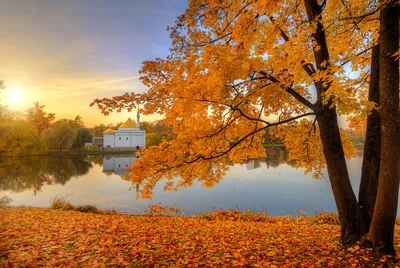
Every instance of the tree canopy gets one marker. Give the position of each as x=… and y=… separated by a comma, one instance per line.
x=20, y=138
x=39, y=118
x=60, y=137
x=238, y=68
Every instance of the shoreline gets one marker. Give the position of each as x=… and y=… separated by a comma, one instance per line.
x=65, y=153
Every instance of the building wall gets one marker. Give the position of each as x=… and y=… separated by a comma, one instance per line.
x=138, y=139
x=122, y=140
x=108, y=140
x=130, y=138
x=125, y=138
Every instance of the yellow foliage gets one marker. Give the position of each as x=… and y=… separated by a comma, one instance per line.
x=237, y=68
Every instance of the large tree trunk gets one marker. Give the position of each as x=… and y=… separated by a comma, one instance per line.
x=345, y=198
x=382, y=226
x=372, y=150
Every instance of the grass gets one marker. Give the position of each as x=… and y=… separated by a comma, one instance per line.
x=62, y=203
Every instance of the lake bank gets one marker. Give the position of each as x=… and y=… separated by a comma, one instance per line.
x=104, y=152
x=47, y=237
x=69, y=153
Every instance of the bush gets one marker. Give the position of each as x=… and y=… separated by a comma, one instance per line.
x=95, y=148
x=4, y=201
x=87, y=208
x=61, y=203
x=86, y=148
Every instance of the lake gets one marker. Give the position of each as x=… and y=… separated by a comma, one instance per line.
x=271, y=185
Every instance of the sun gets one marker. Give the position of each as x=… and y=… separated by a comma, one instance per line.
x=16, y=97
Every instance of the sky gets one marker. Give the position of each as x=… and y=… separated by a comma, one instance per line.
x=64, y=54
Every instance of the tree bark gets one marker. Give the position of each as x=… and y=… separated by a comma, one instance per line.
x=372, y=150
x=326, y=115
x=382, y=226
x=345, y=198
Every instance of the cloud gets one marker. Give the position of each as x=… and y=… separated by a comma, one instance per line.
x=55, y=92
x=96, y=84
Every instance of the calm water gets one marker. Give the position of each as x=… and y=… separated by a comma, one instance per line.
x=260, y=185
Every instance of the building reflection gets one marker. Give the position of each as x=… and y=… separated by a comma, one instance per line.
x=119, y=165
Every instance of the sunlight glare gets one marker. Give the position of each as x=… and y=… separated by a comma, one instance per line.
x=15, y=97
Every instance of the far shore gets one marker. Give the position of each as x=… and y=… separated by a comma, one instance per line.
x=52, y=153
x=107, y=152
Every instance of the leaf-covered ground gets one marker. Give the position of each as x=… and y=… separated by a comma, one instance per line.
x=36, y=237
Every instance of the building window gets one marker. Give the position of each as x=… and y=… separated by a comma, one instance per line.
x=119, y=138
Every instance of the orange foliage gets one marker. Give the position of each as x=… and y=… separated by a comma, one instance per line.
x=34, y=237
x=237, y=68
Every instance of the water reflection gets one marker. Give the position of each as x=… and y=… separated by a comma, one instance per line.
x=117, y=164
x=270, y=184
x=18, y=174
x=275, y=156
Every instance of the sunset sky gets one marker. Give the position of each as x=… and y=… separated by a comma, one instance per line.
x=64, y=54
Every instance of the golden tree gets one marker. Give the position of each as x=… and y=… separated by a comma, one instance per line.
x=237, y=68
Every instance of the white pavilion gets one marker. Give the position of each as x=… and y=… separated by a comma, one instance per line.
x=127, y=136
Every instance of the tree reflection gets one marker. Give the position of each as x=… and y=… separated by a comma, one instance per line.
x=96, y=159
x=275, y=156
x=32, y=173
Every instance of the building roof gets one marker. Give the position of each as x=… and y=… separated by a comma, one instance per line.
x=128, y=124
x=109, y=130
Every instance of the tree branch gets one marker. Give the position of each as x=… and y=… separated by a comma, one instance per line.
x=289, y=90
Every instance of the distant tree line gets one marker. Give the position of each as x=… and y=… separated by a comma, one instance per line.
x=36, y=131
